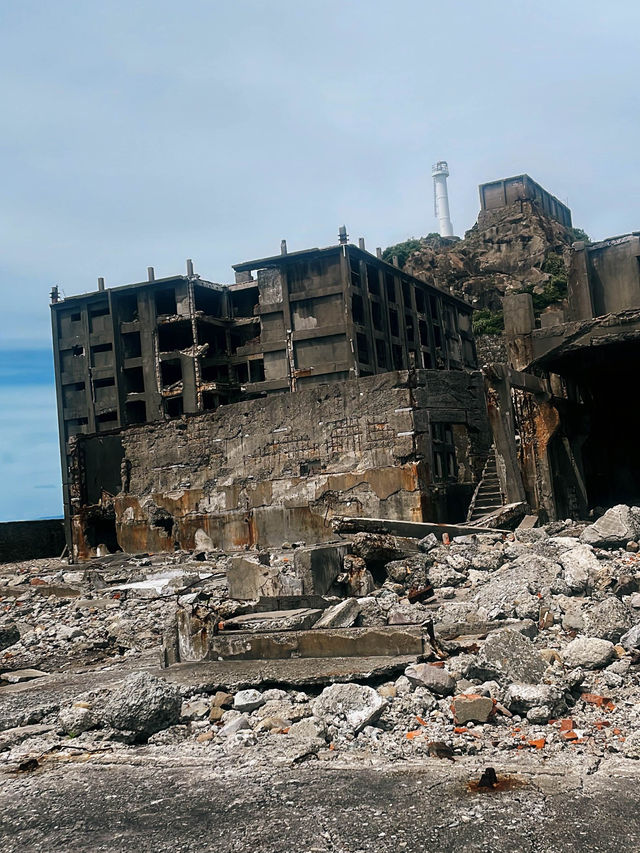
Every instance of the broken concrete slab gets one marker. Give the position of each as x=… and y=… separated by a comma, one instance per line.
x=318, y=567
x=275, y=620
x=506, y=517
x=410, y=529
x=615, y=528
x=341, y=615
x=330, y=642
x=250, y=576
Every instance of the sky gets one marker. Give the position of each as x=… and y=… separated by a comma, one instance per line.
x=145, y=132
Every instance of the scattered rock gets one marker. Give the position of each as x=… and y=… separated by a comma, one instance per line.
x=631, y=746
x=631, y=640
x=308, y=729
x=350, y=706
x=434, y=678
x=513, y=655
x=236, y=725
x=521, y=698
x=581, y=568
x=609, y=620
x=248, y=700
x=471, y=707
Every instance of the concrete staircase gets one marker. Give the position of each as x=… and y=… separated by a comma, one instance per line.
x=487, y=497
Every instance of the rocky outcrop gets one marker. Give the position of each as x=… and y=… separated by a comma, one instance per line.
x=504, y=251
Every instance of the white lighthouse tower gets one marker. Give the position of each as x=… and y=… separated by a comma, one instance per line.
x=440, y=172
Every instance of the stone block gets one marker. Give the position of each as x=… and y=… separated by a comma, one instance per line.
x=471, y=707
x=250, y=578
x=317, y=568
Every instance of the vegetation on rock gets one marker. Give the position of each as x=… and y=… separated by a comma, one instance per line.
x=487, y=322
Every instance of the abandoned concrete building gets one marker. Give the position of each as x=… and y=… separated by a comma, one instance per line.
x=329, y=382
x=178, y=424
x=569, y=392
x=505, y=192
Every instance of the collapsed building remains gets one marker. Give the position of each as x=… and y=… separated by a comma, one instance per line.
x=328, y=382
x=567, y=391
x=169, y=431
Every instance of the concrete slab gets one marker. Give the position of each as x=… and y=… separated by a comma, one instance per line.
x=339, y=642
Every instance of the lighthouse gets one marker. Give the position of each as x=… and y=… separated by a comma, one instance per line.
x=440, y=173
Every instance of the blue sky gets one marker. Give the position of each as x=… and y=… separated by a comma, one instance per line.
x=145, y=132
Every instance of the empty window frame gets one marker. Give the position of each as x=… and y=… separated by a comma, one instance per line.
x=376, y=316
x=175, y=336
x=363, y=348
x=133, y=380
x=136, y=412
x=390, y=286
x=170, y=372
x=443, y=453
x=373, y=280
x=131, y=345
x=166, y=302
x=357, y=309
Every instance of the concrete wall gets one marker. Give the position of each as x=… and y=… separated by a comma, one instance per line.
x=29, y=540
x=278, y=468
x=506, y=191
x=604, y=278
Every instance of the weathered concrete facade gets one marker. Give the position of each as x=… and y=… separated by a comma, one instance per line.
x=131, y=360
x=507, y=191
x=573, y=407
x=260, y=472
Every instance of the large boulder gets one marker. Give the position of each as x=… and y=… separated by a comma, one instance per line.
x=588, y=653
x=615, y=528
x=434, y=678
x=521, y=698
x=348, y=706
x=143, y=704
x=580, y=566
x=609, y=620
x=514, y=656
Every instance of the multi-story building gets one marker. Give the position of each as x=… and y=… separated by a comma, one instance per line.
x=163, y=349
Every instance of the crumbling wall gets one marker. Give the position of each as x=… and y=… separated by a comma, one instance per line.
x=279, y=468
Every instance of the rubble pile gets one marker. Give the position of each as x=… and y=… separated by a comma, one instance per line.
x=531, y=643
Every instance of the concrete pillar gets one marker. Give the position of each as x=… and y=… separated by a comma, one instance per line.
x=580, y=298
x=519, y=322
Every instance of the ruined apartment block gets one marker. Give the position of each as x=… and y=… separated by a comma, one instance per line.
x=168, y=423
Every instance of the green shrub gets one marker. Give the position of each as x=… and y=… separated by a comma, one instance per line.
x=578, y=234
x=402, y=250
x=487, y=322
